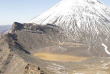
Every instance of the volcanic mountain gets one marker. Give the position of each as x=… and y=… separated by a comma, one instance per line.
x=73, y=37
x=84, y=21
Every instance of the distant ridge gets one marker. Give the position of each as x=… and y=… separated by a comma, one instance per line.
x=4, y=28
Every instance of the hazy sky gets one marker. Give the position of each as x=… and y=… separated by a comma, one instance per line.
x=24, y=10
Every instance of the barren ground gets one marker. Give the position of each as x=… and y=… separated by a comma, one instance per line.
x=58, y=57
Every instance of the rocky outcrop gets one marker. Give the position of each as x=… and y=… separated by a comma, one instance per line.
x=31, y=69
x=13, y=63
x=30, y=37
x=12, y=54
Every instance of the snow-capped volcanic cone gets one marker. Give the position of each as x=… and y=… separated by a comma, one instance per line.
x=85, y=21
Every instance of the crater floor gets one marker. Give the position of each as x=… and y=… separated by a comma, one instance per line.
x=58, y=57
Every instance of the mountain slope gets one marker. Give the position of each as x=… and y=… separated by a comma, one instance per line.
x=76, y=15
x=82, y=21
x=21, y=45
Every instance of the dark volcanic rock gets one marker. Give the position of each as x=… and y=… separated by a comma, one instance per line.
x=16, y=26
x=32, y=37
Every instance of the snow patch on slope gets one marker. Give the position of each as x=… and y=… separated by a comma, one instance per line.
x=106, y=48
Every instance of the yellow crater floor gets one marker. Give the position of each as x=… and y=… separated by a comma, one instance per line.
x=58, y=57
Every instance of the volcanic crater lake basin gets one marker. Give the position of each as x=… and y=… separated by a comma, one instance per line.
x=61, y=53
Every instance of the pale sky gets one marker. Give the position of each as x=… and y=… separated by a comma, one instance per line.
x=24, y=10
